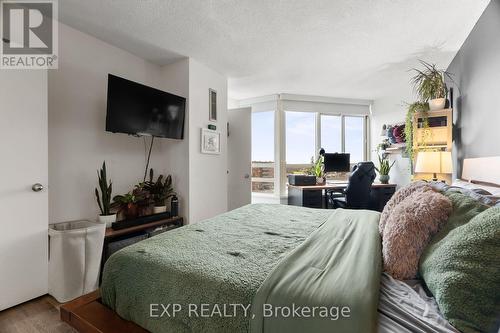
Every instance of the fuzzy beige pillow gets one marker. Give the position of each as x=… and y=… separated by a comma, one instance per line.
x=409, y=229
x=399, y=196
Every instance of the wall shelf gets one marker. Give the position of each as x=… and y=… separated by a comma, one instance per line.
x=395, y=147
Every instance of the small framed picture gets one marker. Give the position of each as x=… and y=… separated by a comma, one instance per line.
x=212, y=106
x=210, y=141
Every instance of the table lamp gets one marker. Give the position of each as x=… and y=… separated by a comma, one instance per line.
x=434, y=162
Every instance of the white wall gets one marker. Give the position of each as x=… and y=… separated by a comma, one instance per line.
x=78, y=142
x=175, y=79
x=207, y=173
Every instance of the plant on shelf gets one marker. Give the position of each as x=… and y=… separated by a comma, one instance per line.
x=104, y=199
x=384, y=168
x=413, y=108
x=383, y=145
x=160, y=190
x=133, y=203
x=430, y=86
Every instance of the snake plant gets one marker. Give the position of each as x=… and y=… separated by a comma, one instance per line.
x=104, y=200
x=384, y=166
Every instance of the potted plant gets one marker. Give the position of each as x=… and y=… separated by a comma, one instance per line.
x=384, y=169
x=133, y=203
x=104, y=199
x=160, y=191
x=430, y=86
x=317, y=170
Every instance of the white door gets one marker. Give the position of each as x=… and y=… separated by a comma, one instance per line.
x=23, y=163
x=239, y=157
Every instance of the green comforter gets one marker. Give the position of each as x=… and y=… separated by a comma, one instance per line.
x=204, y=277
x=331, y=281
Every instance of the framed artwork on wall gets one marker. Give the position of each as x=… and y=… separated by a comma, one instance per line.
x=212, y=106
x=210, y=141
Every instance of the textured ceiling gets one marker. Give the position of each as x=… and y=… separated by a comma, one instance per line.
x=341, y=48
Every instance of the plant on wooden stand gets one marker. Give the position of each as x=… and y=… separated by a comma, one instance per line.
x=104, y=199
x=384, y=169
x=160, y=191
x=132, y=204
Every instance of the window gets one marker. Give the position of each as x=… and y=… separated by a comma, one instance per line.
x=300, y=137
x=263, y=152
x=354, y=129
x=303, y=140
x=331, y=133
x=288, y=133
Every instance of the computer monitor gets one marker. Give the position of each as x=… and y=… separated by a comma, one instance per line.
x=337, y=162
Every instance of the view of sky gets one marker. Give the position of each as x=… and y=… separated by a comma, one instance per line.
x=354, y=138
x=331, y=133
x=300, y=137
x=263, y=136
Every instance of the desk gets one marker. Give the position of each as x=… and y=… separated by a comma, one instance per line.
x=312, y=195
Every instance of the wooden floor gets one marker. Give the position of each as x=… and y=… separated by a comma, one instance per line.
x=38, y=315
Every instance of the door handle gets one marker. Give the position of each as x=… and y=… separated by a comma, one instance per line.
x=246, y=176
x=37, y=187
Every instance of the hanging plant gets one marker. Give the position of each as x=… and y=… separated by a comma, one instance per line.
x=413, y=108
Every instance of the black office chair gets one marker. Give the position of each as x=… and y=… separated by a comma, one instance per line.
x=357, y=194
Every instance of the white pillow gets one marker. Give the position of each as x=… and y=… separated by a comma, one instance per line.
x=495, y=191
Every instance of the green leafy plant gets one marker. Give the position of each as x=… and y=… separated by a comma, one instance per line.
x=413, y=108
x=125, y=199
x=317, y=168
x=132, y=203
x=429, y=82
x=137, y=196
x=384, y=166
x=104, y=200
x=160, y=190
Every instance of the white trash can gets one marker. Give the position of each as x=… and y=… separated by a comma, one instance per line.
x=75, y=250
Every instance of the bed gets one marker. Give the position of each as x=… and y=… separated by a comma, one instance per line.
x=255, y=255
x=218, y=276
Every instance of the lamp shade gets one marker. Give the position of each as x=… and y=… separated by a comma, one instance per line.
x=446, y=162
x=434, y=162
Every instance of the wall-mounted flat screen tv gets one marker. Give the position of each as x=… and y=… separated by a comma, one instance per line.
x=136, y=109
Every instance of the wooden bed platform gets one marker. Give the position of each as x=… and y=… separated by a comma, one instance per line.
x=88, y=315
